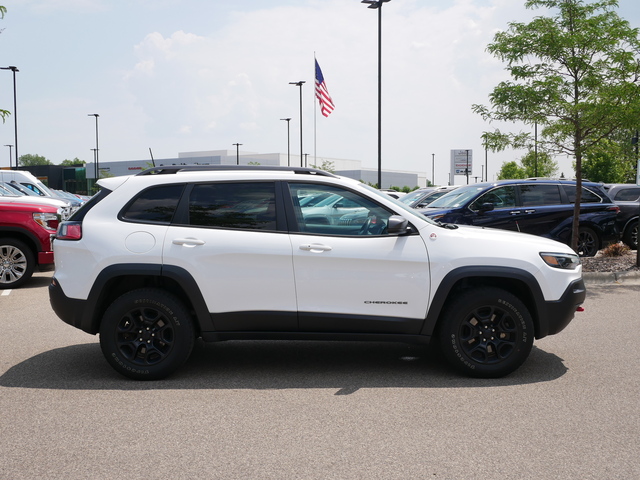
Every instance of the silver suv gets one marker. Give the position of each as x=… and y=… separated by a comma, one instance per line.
x=156, y=260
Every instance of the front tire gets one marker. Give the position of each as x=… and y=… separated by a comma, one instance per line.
x=486, y=332
x=146, y=334
x=17, y=263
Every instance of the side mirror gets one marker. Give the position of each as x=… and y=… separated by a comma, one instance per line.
x=397, y=225
x=486, y=207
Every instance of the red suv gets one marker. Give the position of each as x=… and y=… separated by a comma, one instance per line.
x=26, y=232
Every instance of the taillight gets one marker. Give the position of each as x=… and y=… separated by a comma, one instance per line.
x=615, y=208
x=69, y=231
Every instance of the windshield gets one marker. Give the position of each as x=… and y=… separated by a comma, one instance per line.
x=410, y=197
x=457, y=197
x=328, y=201
x=405, y=208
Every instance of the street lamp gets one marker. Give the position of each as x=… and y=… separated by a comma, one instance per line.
x=237, y=152
x=377, y=4
x=288, y=142
x=299, y=84
x=15, y=111
x=9, y=155
x=95, y=156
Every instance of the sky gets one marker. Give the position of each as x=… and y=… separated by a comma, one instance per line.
x=190, y=75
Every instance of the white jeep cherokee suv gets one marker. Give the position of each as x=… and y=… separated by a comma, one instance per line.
x=155, y=260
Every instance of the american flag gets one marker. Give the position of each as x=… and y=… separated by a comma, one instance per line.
x=322, y=94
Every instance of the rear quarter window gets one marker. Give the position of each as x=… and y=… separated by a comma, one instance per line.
x=79, y=214
x=587, y=195
x=153, y=205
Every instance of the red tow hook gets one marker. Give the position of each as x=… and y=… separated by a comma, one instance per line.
x=579, y=309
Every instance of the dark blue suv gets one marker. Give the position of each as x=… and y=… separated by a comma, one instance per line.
x=536, y=206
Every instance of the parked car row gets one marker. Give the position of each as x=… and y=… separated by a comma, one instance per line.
x=540, y=207
x=29, y=216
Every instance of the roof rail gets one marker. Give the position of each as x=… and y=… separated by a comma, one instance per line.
x=172, y=169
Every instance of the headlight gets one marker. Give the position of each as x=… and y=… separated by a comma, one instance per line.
x=49, y=221
x=566, y=261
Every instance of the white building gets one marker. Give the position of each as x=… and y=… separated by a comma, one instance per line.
x=348, y=168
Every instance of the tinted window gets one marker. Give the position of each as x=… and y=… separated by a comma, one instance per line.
x=157, y=204
x=587, y=195
x=540, y=195
x=627, y=194
x=250, y=205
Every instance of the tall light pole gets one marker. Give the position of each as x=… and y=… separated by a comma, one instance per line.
x=9, y=155
x=237, y=153
x=299, y=84
x=15, y=111
x=288, y=142
x=433, y=169
x=96, y=164
x=377, y=4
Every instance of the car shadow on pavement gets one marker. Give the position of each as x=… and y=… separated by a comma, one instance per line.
x=264, y=365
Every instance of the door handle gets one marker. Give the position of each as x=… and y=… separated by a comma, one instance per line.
x=515, y=212
x=315, y=247
x=529, y=211
x=188, y=242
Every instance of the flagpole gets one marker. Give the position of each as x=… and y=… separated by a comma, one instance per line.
x=315, y=158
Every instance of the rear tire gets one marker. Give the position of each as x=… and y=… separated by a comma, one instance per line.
x=630, y=237
x=486, y=332
x=17, y=263
x=146, y=334
x=588, y=242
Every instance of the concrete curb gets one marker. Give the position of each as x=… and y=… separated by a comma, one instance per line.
x=611, y=278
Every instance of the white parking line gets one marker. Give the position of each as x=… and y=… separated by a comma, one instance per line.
x=6, y=292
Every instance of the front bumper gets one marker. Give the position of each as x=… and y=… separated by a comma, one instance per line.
x=555, y=316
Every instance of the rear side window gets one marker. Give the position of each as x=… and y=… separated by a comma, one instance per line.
x=540, y=195
x=154, y=205
x=627, y=194
x=250, y=205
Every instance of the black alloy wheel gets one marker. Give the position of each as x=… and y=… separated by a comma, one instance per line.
x=588, y=242
x=146, y=334
x=486, y=332
x=17, y=263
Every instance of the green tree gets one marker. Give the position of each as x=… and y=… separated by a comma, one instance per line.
x=527, y=168
x=327, y=166
x=539, y=165
x=606, y=163
x=511, y=170
x=30, y=160
x=575, y=75
x=75, y=161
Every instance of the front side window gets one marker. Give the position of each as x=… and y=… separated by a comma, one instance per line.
x=501, y=197
x=154, y=205
x=341, y=212
x=247, y=205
